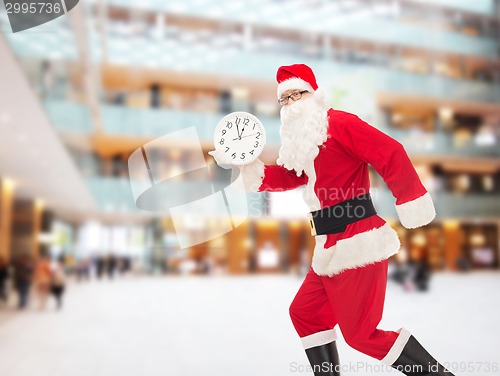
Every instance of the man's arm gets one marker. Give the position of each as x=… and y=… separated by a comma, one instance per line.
x=258, y=177
x=389, y=158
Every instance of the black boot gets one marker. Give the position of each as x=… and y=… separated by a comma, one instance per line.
x=324, y=360
x=416, y=361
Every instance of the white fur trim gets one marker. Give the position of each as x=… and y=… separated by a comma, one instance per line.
x=418, y=212
x=294, y=84
x=319, y=339
x=320, y=95
x=397, y=348
x=253, y=174
x=361, y=249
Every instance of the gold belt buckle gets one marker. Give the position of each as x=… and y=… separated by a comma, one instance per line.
x=311, y=222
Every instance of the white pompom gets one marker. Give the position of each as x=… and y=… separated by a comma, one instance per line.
x=320, y=95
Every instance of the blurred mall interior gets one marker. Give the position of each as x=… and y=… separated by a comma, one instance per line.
x=81, y=93
x=84, y=91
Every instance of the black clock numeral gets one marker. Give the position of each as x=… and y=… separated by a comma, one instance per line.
x=221, y=141
x=254, y=124
x=223, y=132
x=233, y=155
x=251, y=152
x=227, y=149
x=245, y=122
x=237, y=120
x=256, y=144
x=258, y=135
x=229, y=125
x=242, y=156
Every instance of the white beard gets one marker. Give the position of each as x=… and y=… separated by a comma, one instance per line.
x=304, y=126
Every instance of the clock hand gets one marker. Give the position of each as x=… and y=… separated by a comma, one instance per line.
x=238, y=132
x=248, y=135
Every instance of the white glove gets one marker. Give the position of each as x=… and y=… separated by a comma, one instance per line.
x=221, y=159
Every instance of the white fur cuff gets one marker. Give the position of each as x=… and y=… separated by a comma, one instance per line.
x=397, y=347
x=416, y=213
x=294, y=84
x=319, y=339
x=253, y=174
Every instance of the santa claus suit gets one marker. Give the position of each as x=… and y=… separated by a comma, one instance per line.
x=347, y=280
x=346, y=284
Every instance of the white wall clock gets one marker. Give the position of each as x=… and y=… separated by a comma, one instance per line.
x=239, y=138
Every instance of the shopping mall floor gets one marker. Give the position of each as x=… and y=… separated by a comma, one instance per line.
x=173, y=326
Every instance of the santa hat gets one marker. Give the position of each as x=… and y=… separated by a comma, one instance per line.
x=296, y=76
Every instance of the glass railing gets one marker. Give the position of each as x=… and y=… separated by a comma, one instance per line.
x=447, y=204
x=432, y=85
x=226, y=60
x=70, y=117
x=331, y=74
x=486, y=7
x=53, y=40
x=356, y=20
x=114, y=195
x=441, y=143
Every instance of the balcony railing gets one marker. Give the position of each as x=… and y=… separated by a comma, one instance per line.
x=115, y=195
x=70, y=117
x=486, y=7
x=447, y=204
x=356, y=20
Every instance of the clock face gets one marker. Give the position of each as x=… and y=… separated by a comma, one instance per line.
x=240, y=138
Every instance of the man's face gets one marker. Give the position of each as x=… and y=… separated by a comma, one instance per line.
x=293, y=95
x=303, y=128
x=296, y=105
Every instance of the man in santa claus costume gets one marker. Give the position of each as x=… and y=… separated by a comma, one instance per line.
x=328, y=152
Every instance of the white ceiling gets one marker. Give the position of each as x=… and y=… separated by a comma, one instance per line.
x=31, y=153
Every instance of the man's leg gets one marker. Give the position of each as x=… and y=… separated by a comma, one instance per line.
x=314, y=321
x=357, y=298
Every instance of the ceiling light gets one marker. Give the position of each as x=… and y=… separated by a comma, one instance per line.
x=39, y=203
x=446, y=114
x=9, y=183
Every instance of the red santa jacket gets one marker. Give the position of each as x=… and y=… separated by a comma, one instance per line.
x=340, y=172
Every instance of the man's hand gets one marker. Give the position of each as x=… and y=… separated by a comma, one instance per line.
x=221, y=159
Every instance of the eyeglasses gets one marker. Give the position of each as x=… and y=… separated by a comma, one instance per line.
x=296, y=95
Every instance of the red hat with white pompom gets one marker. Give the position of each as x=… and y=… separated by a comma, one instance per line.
x=296, y=76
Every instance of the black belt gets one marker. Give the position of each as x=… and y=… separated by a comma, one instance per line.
x=334, y=219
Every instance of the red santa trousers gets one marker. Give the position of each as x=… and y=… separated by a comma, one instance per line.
x=353, y=299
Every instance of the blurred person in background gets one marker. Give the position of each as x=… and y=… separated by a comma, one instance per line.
x=328, y=152
x=4, y=275
x=43, y=279
x=100, y=265
x=23, y=277
x=47, y=79
x=421, y=271
x=111, y=264
x=83, y=269
x=58, y=280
